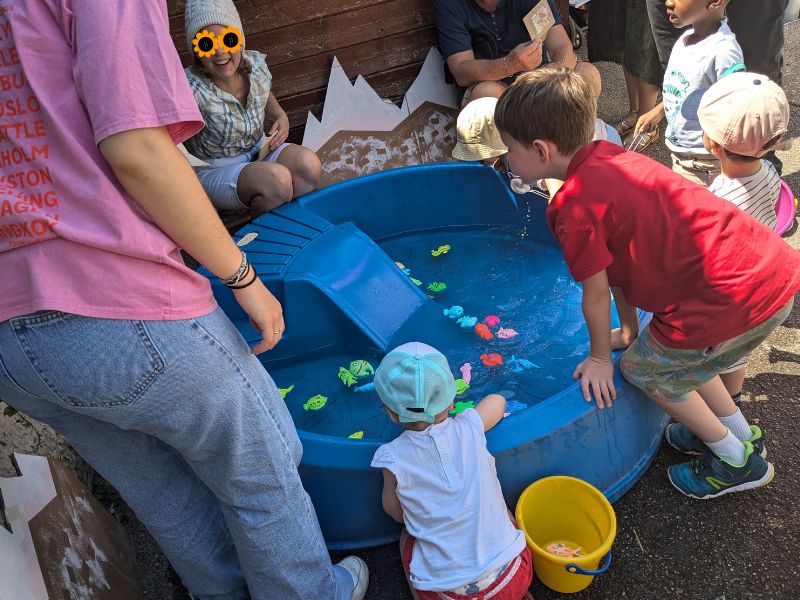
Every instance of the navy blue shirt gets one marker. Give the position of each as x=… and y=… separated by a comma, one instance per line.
x=458, y=22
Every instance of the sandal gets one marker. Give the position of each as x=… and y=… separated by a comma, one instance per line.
x=627, y=124
x=640, y=142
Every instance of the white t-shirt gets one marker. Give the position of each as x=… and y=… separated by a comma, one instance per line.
x=452, y=503
x=691, y=70
x=755, y=195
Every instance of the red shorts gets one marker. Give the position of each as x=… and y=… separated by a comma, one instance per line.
x=512, y=584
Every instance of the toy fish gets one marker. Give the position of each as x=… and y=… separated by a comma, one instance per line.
x=358, y=435
x=467, y=322
x=315, y=402
x=492, y=360
x=247, y=238
x=461, y=387
x=466, y=372
x=520, y=364
x=441, y=250
x=461, y=407
x=347, y=377
x=559, y=549
x=400, y=265
x=437, y=286
x=406, y=271
x=415, y=281
x=492, y=320
x=367, y=387
x=483, y=331
x=506, y=333
x=454, y=312
x=284, y=391
x=361, y=368
x=513, y=406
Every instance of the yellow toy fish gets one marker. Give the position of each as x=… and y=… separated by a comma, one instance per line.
x=357, y=435
x=284, y=391
x=315, y=402
x=441, y=250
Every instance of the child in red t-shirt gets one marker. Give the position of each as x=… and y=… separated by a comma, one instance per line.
x=717, y=281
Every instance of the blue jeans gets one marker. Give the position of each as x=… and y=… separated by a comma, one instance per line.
x=190, y=429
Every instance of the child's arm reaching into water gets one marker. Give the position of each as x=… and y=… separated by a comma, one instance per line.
x=389, y=500
x=597, y=370
x=623, y=336
x=491, y=410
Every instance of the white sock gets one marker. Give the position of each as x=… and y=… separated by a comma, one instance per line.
x=737, y=425
x=730, y=448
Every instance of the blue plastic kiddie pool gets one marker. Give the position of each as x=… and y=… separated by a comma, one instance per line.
x=365, y=265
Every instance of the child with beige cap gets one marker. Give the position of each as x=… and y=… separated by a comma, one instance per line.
x=744, y=116
x=477, y=137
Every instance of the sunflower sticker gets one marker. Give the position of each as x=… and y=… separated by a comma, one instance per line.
x=230, y=39
x=205, y=43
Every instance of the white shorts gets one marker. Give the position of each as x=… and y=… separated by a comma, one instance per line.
x=220, y=177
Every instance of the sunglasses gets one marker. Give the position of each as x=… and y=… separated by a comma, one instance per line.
x=205, y=43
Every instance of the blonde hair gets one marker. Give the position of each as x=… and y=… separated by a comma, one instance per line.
x=551, y=103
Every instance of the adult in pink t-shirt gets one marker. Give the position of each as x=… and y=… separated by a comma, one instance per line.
x=107, y=336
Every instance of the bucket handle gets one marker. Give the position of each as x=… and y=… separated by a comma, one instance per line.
x=576, y=570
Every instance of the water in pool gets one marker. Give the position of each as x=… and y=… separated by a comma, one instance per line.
x=496, y=272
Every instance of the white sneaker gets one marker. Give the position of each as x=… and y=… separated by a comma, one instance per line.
x=360, y=574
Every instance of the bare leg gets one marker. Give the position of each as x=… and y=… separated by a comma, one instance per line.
x=647, y=95
x=488, y=89
x=717, y=398
x=403, y=538
x=304, y=166
x=264, y=186
x=590, y=73
x=697, y=416
x=632, y=87
x=734, y=381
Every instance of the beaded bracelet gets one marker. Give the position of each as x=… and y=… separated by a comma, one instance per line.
x=246, y=284
x=240, y=272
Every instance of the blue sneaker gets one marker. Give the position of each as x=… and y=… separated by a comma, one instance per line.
x=710, y=476
x=683, y=440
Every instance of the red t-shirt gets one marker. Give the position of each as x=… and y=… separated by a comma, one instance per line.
x=705, y=269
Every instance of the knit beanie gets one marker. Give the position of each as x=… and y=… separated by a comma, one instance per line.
x=199, y=14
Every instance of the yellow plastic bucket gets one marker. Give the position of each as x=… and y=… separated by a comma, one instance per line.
x=569, y=510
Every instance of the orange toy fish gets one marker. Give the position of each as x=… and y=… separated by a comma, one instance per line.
x=492, y=360
x=483, y=330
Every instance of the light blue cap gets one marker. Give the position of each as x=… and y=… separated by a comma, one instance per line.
x=415, y=376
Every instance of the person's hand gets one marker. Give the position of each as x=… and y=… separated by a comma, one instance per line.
x=525, y=57
x=265, y=312
x=649, y=121
x=279, y=131
x=621, y=340
x=597, y=373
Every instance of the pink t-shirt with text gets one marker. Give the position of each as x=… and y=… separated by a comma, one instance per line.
x=73, y=72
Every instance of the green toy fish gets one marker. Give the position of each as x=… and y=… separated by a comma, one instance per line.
x=461, y=407
x=461, y=386
x=437, y=286
x=285, y=391
x=361, y=368
x=347, y=377
x=315, y=402
x=415, y=281
x=441, y=250
x=358, y=435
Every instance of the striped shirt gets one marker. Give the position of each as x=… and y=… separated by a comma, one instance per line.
x=231, y=129
x=755, y=195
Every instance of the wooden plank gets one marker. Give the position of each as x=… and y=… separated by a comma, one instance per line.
x=365, y=59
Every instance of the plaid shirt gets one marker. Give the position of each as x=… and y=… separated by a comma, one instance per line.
x=231, y=129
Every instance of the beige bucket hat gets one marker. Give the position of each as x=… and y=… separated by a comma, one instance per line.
x=477, y=136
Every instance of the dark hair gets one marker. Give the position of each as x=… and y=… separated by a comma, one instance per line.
x=551, y=103
x=773, y=142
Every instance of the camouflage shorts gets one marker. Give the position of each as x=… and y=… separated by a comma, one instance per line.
x=670, y=374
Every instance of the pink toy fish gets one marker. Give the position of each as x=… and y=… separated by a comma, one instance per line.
x=492, y=320
x=466, y=372
x=492, y=360
x=483, y=331
x=506, y=333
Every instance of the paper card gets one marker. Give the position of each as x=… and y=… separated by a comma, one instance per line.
x=539, y=21
x=264, y=149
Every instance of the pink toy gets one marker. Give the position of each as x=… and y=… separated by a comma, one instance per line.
x=492, y=320
x=466, y=372
x=785, y=209
x=483, y=331
x=506, y=333
x=559, y=549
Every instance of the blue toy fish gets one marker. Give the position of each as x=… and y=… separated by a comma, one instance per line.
x=467, y=322
x=367, y=387
x=454, y=312
x=521, y=364
x=513, y=406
